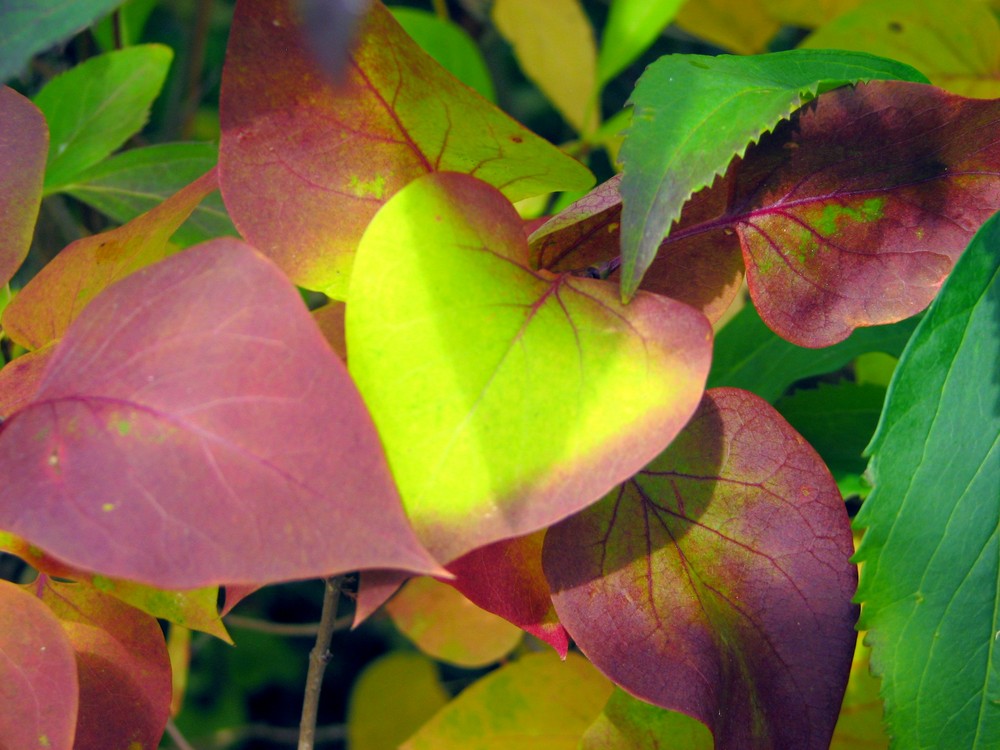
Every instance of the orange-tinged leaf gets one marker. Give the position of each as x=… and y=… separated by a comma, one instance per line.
x=43, y=310
x=447, y=626
x=305, y=166
x=741, y=26
x=38, y=676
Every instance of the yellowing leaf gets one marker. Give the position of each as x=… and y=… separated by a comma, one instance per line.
x=808, y=13
x=555, y=46
x=447, y=626
x=860, y=722
x=535, y=703
x=406, y=681
x=742, y=26
x=956, y=44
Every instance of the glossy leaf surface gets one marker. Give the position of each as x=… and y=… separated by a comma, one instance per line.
x=725, y=563
x=38, y=676
x=931, y=549
x=630, y=724
x=535, y=703
x=122, y=665
x=215, y=439
x=693, y=114
x=549, y=390
x=24, y=142
x=305, y=166
x=40, y=314
x=95, y=107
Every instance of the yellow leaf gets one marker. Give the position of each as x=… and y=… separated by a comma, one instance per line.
x=742, y=26
x=808, y=13
x=554, y=44
x=860, y=722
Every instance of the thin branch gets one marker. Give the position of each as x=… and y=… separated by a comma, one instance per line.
x=319, y=657
x=177, y=737
x=441, y=8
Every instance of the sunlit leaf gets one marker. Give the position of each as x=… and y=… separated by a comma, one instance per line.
x=305, y=166
x=122, y=663
x=535, y=703
x=740, y=26
x=693, y=114
x=930, y=552
x=447, y=626
x=956, y=44
x=95, y=107
x=554, y=44
x=23, y=146
x=630, y=724
x=43, y=310
x=38, y=676
x=631, y=28
x=193, y=429
x=549, y=391
x=725, y=563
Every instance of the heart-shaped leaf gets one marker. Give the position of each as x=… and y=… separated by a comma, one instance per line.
x=717, y=582
x=193, y=429
x=507, y=398
x=305, y=165
x=24, y=142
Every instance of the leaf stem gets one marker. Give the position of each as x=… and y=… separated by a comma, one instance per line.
x=319, y=657
x=441, y=8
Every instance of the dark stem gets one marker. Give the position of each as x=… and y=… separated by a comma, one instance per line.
x=193, y=87
x=116, y=28
x=319, y=657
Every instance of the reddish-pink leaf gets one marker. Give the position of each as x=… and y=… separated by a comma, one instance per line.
x=717, y=582
x=305, y=165
x=506, y=578
x=121, y=658
x=194, y=428
x=24, y=144
x=43, y=310
x=20, y=378
x=375, y=588
x=38, y=679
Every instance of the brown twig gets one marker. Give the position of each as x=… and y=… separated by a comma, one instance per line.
x=319, y=657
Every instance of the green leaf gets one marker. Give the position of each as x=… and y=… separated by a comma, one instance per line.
x=134, y=181
x=95, y=107
x=929, y=581
x=30, y=26
x=749, y=355
x=632, y=26
x=694, y=113
x=628, y=723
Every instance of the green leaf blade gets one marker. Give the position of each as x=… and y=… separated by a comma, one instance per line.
x=632, y=26
x=931, y=546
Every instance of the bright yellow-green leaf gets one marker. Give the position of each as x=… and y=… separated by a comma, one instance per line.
x=632, y=26
x=535, y=703
x=742, y=26
x=956, y=44
x=447, y=626
x=808, y=13
x=554, y=44
x=404, y=681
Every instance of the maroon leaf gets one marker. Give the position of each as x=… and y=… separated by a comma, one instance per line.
x=717, y=582
x=24, y=145
x=193, y=428
x=38, y=679
x=124, y=671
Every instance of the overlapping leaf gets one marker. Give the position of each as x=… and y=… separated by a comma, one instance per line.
x=546, y=390
x=725, y=563
x=741, y=26
x=631, y=28
x=38, y=675
x=24, y=142
x=194, y=428
x=630, y=724
x=305, y=166
x=931, y=549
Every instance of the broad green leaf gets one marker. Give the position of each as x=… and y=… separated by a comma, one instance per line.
x=23, y=146
x=717, y=581
x=38, y=675
x=751, y=356
x=405, y=681
x=446, y=625
x=628, y=723
x=860, y=724
x=929, y=581
x=535, y=703
x=305, y=165
x=134, y=181
x=554, y=44
x=955, y=43
x=194, y=428
x=450, y=45
x=547, y=390
x=693, y=114
x=740, y=26
x=95, y=107
x=632, y=26
x=43, y=310
x=28, y=27
x=808, y=13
